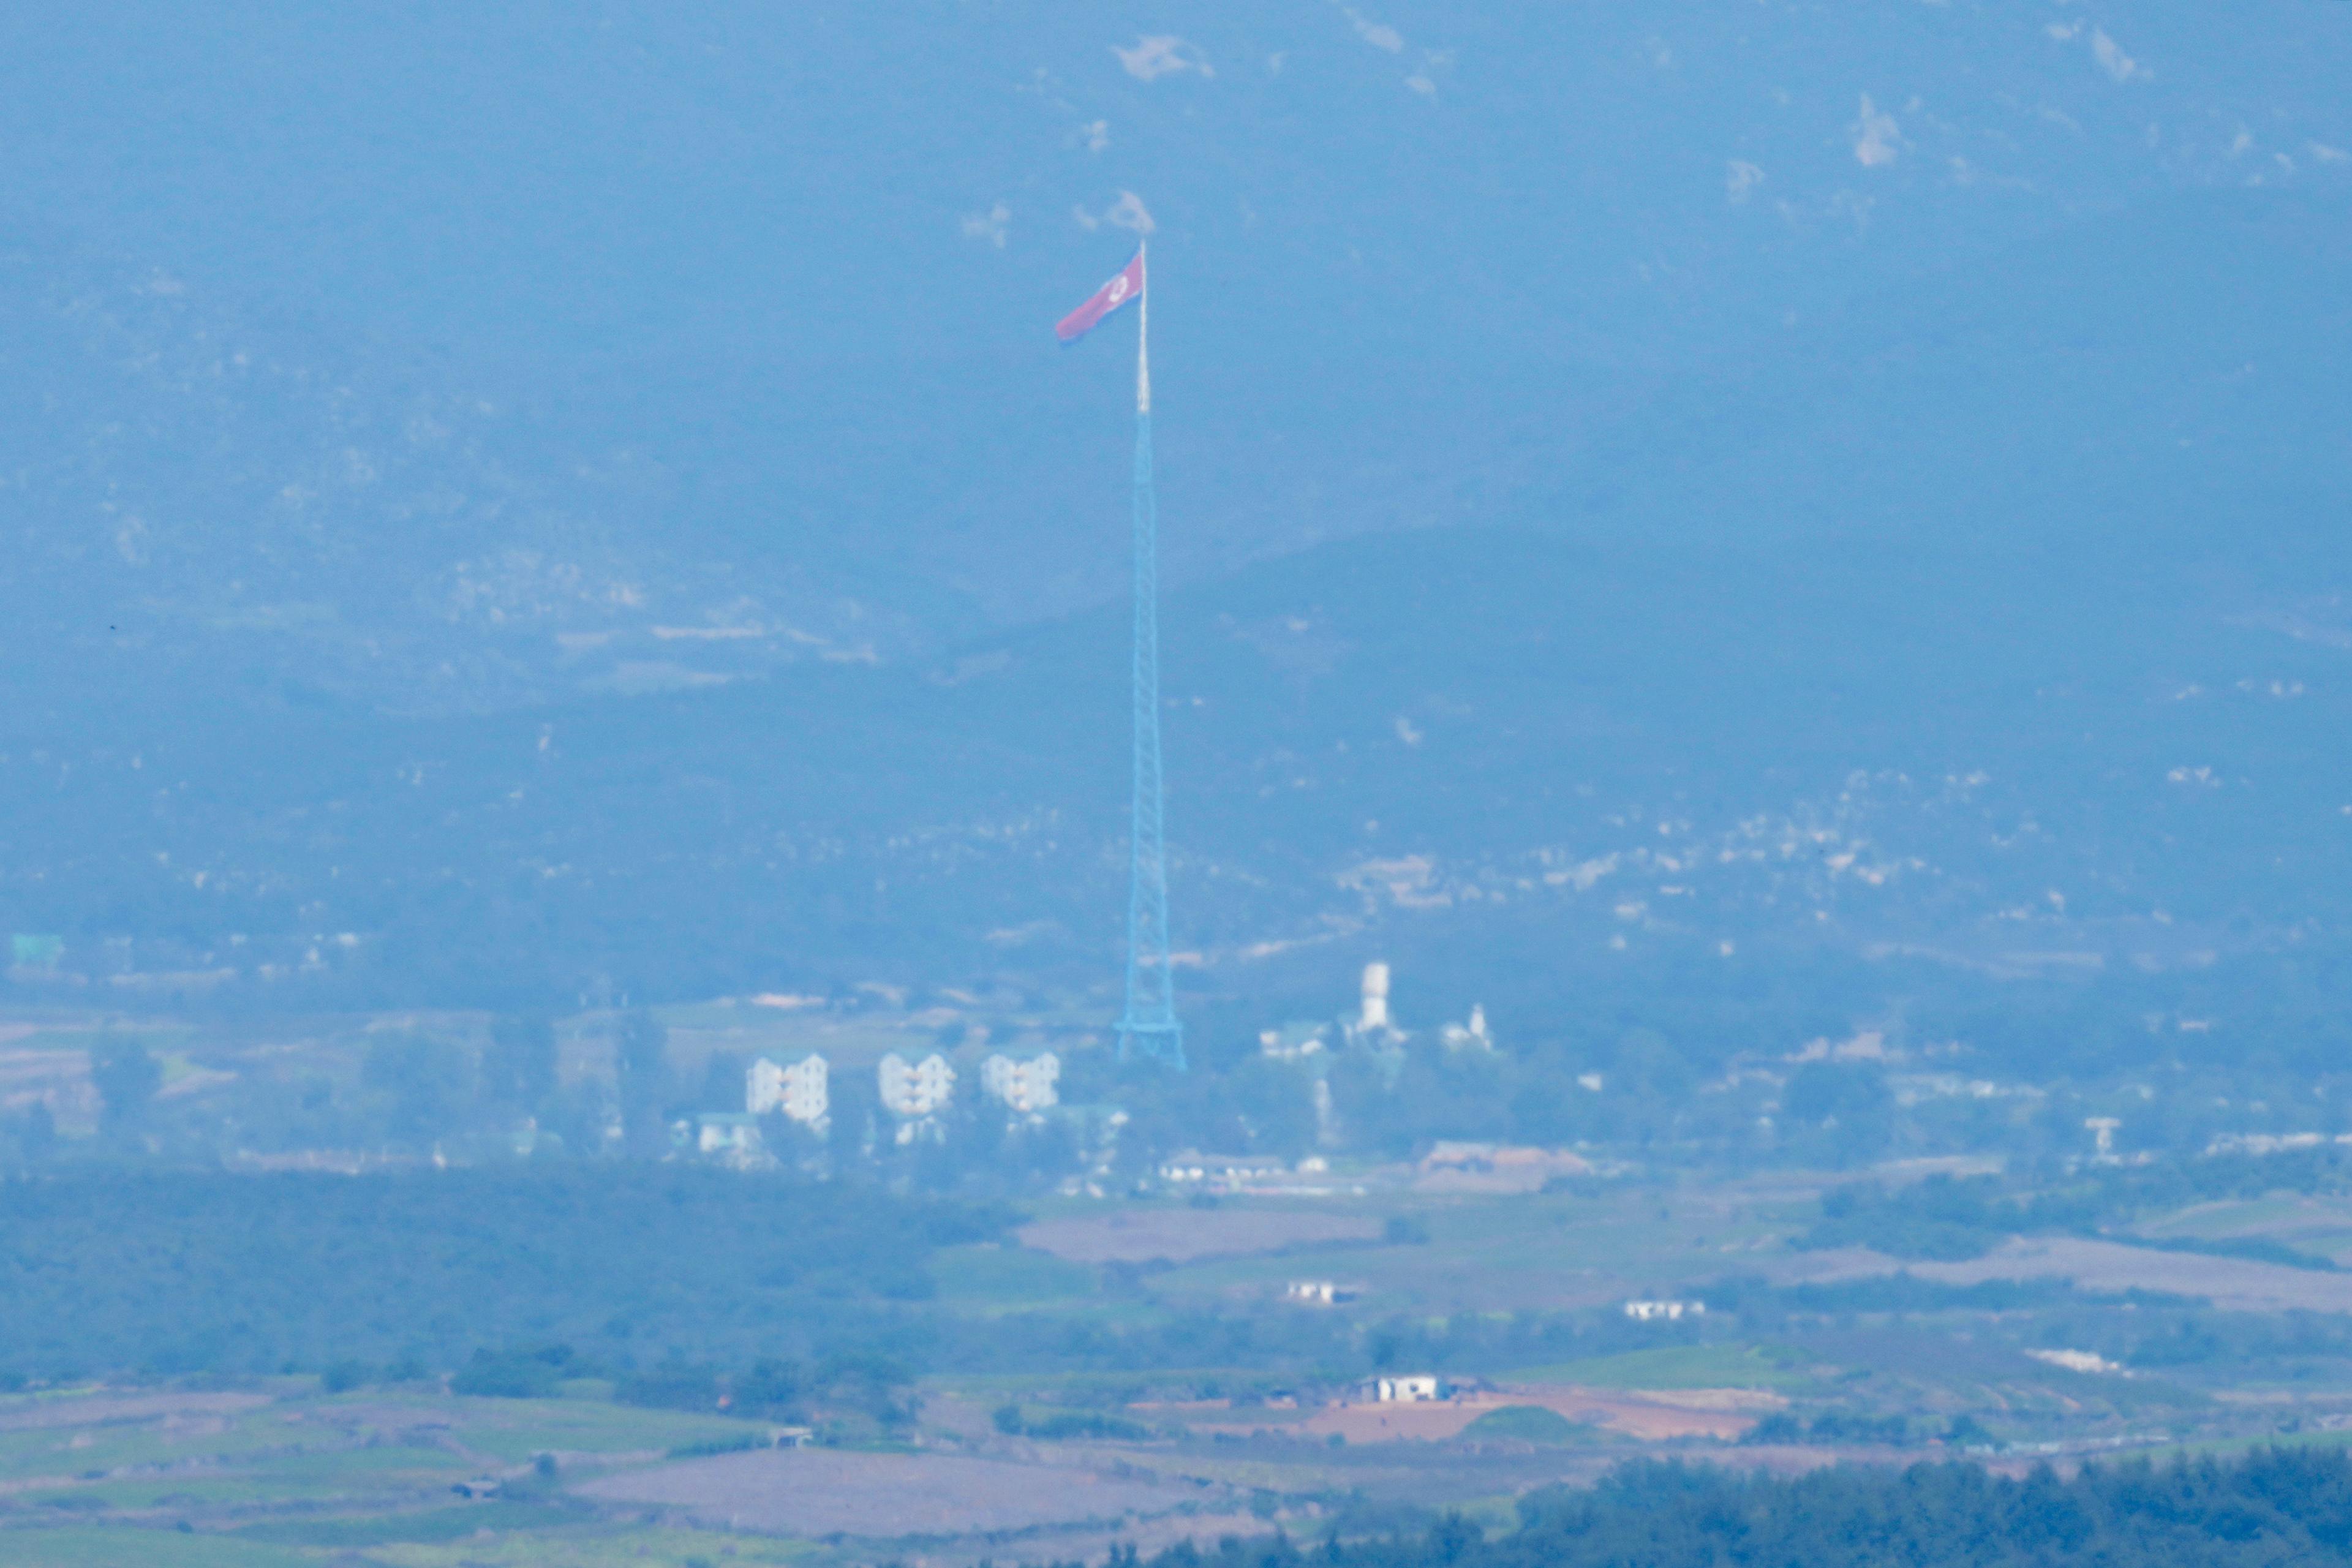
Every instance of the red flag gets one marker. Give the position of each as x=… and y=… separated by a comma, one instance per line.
x=1128, y=285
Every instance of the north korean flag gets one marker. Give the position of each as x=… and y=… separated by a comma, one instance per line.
x=1127, y=285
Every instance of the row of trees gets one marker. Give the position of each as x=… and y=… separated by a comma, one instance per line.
x=105, y=1270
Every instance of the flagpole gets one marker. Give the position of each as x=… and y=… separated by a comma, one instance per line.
x=1149, y=1025
x=1143, y=331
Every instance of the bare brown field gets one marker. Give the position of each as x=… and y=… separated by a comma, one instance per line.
x=57, y=1078
x=1184, y=1235
x=1651, y=1415
x=822, y=1493
x=2236, y=1283
x=37, y=1415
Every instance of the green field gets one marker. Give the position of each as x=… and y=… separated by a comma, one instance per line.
x=1201, y=1377
x=277, y=1473
x=989, y=1278
x=1530, y=1424
x=90, y=1546
x=1506, y=1253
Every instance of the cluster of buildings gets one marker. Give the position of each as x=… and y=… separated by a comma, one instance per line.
x=1370, y=1028
x=1319, y=1293
x=911, y=1091
x=1664, y=1312
x=914, y=1095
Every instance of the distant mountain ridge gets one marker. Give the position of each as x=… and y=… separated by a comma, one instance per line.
x=745, y=316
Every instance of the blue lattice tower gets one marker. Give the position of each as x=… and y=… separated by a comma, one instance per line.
x=1149, y=1025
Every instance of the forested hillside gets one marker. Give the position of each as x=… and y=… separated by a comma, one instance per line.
x=618, y=1267
x=2278, y=1505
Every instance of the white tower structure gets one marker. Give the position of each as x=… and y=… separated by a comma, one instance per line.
x=1375, y=1018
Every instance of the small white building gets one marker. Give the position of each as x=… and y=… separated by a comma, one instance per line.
x=1318, y=1292
x=1292, y=1042
x=1223, y=1173
x=917, y=1091
x=1648, y=1312
x=800, y=1090
x=721, y=1132
x=2102, y=1129
x=1024, y=1087
x=732, y=1138
x=2079, y=1361
x=1470, y=1037
x=1420, y=1388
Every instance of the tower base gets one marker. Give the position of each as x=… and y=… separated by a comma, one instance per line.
x=1160, y=1040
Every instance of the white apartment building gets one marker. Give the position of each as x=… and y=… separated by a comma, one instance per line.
x=922, y=1089
x=799, y=1090
x=1024, y=1087
x=763, y=1087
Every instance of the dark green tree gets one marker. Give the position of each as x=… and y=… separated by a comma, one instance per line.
x=722, y=1082
x=421, y=1082
x=126, y=1076
x=28, y=1138
x=1847, y=1110
x=640, y=1069
x=518, y=1068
